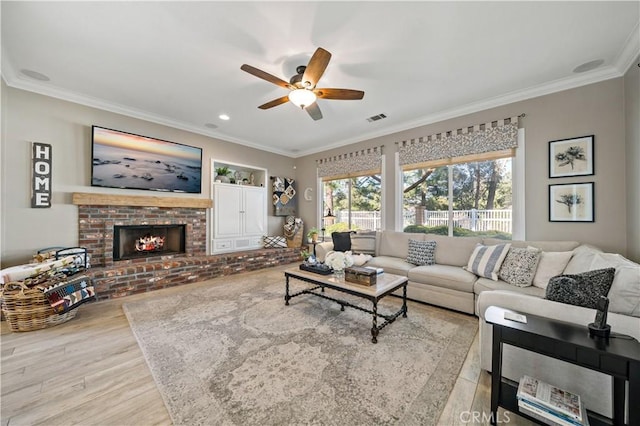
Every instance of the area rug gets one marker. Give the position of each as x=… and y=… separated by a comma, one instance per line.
x=233, y=353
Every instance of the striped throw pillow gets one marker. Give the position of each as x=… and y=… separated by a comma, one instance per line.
x=485, y=261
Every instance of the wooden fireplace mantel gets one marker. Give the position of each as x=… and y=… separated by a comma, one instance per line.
x=95, y=199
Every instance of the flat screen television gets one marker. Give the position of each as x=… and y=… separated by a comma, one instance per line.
x=127, y=160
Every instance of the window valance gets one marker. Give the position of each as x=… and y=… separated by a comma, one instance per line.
x=351, y=164
x=497, y=135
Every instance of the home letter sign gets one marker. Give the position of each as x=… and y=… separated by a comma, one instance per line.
x=41, y=175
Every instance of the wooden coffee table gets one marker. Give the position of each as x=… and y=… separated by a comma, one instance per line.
x=386, y=284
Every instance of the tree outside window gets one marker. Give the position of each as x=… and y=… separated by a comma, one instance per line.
x=480, y=201
x=354, y=202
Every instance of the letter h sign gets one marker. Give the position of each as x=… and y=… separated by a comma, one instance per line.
x=41, y=175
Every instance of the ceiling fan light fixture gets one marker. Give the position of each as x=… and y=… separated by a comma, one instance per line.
x=302, y=97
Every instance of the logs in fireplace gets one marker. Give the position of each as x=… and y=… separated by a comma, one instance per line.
x=134, y=241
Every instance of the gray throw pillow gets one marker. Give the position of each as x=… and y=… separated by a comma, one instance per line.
x=581, y=289
x=421, y=252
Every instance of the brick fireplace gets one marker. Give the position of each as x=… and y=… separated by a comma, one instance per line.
x=100, y=214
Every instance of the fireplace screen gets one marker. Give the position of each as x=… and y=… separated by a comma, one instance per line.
x=147, y=240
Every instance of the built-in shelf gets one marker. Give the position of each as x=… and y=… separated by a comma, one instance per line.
x=95, y=199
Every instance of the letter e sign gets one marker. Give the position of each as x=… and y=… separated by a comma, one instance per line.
x=41, y=175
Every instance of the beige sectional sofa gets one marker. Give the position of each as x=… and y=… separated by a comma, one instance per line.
x=447, y=284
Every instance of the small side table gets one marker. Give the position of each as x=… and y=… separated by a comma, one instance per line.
x=618, y=357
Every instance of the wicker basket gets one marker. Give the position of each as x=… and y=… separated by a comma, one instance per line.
x=26, y=309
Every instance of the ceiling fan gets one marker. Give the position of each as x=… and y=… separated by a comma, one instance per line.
x=303, y=91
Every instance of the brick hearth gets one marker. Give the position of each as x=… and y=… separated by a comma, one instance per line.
x=97, y=215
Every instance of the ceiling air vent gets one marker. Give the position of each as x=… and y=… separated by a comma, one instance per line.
x=376, y=118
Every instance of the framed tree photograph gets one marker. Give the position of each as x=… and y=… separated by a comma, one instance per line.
x=571, y=202
x=571, y=157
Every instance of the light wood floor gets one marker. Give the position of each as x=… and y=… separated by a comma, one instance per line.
x=90, y=371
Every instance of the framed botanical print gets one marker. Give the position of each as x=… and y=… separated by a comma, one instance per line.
x=571, y=157
x=571, y=202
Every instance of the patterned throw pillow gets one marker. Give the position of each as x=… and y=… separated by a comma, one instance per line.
x=519, y=266
x=581, y=289
x=421, y=252
x=485, y=261
x=274, y=242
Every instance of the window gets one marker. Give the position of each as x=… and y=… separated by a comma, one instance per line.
x=352, y=203
x=461, y=199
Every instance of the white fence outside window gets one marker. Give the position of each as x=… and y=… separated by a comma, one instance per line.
x=475, y=220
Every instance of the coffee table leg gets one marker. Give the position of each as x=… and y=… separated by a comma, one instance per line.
x=404, y=300
x=374, y=329
x=286, y=291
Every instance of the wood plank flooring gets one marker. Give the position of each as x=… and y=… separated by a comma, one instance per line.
x=90, y=371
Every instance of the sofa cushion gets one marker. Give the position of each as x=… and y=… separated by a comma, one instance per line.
x=453, y=251
x=542, y=245
x=341, y=241
x=519, y=266
x=363, y=242
x=451, y=277
x=421, y=252
x=624, y=295
x=391, y=264
x=551, y=263
x=581, y=289
x=485, y=284
x=581, y=260
x=396, y=244
x=485, y=261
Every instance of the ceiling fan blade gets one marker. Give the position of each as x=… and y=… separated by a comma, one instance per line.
x=265, y=76
x=343, y=94
x=317, y=64
x=314, y=111
x=275, y=102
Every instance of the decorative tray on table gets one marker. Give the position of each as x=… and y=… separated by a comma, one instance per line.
x=317, y=268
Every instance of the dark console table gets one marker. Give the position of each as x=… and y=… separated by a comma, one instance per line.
x=618, y=356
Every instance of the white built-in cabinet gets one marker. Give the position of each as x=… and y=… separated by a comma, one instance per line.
x=239, y=212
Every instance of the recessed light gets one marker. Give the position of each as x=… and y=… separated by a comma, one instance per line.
x=35, y=75
x=588, y=66
x=211, y=125
x=224, y=117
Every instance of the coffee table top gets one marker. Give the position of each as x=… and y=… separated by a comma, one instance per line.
x=384, y=283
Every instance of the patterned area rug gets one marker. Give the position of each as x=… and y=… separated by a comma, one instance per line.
x=233, y=353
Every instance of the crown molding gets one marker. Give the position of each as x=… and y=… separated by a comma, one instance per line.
x=629, y=53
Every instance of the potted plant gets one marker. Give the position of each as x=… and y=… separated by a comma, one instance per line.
x=222, y=174
x=312, y=235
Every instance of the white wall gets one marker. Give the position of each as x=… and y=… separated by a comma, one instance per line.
x=632, y=129
x=29, y=117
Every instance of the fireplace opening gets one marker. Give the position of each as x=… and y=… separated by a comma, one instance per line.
x=136, y=241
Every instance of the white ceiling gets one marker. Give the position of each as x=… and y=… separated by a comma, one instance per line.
x=178, y=63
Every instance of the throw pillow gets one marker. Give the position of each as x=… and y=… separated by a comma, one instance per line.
x=519, y=266
x=421, y=252
x=624, y=296
x=581, y=289
x=363, y=242
x=341, y=241
x=485, y=261
x=361, y=259
x=551, y=263
x=274, y=242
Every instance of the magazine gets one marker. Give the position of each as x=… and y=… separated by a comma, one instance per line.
x=565, y=402
x=549, y=416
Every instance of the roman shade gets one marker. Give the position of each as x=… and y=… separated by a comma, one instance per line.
x=481, y=142
x=357, y=163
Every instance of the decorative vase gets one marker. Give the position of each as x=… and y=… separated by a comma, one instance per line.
x=339, y=274
x=223, y=178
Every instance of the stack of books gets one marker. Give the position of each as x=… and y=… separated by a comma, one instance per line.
x=549, y=404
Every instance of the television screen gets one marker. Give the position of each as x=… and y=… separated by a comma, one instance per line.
x=126, y=160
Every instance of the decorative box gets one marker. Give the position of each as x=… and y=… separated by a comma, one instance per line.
x=360, y=275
